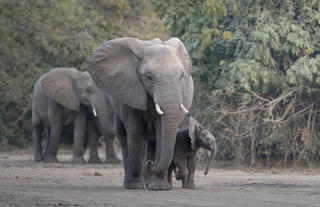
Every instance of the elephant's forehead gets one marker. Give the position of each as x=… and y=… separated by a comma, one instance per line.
x=85, y=80
x=163, y=56
x=160, y=51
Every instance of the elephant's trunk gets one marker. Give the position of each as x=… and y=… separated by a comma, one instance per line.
x=100, y=111
x=169, y=124
x=169, y=132
x=212, y=156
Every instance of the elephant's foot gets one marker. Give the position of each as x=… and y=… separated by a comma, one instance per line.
x=158, y=183
x=189, y=185
x=78, y=160
x=134, y=184
x=38, y=157
x=51, y=159
x=112, y=160
x=94, y=160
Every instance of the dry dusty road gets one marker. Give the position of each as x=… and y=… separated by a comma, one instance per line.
x=26, y=183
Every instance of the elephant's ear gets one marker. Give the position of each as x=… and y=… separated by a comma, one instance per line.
x=113, y=67
x=188, y=93
x=185, y=59
x=182, y=52
x=58, y=85
x=193, y=127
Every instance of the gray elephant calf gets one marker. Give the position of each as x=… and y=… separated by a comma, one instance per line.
x=61, y=97
x=184, y=158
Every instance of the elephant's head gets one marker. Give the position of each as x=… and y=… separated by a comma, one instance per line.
x=70, y=87
x=136, y=72
x=201, y=137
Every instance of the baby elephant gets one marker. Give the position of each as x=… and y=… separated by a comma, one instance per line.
x=184, y=158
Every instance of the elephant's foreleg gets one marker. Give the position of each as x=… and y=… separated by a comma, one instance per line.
x=149, y=150
x=80, y=126
x=135, y=162
x=38, y=129
x=135, y=152
x=111, y=156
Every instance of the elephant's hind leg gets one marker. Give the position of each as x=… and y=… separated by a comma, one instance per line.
x=38, y=130
x=122, y=135
x=55, y=135
x=191, y=164
x=170, y=170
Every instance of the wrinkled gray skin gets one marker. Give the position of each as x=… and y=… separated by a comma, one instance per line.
x=61, y=97
x=137, y=75
x=184, y=158
x=95, y=131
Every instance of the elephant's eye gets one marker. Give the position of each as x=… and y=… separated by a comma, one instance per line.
x=148, y=77
x=181, y=76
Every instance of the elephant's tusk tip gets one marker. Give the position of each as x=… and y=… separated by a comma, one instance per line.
x=184, y=109
x=94, y=112
x=158, y=109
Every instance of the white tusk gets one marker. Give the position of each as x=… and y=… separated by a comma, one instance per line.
x=184, y=109
x=94, y=112
x=158, y=109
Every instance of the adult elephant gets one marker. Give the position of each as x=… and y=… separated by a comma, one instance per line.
x=61, y=97
x=151, y=90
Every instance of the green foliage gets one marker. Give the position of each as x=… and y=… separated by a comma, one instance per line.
x=39, y=35
x=256, y=70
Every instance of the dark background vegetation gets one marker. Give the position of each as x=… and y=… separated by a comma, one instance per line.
x=256, y=65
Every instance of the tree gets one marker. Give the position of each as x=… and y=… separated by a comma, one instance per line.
x=37, y=36
x=256, y=69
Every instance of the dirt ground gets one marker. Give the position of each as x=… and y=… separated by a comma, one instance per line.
x=26, y=183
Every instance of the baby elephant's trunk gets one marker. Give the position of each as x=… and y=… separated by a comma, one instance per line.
x=212, y=156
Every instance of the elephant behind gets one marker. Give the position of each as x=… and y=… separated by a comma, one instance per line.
x=61, y=97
